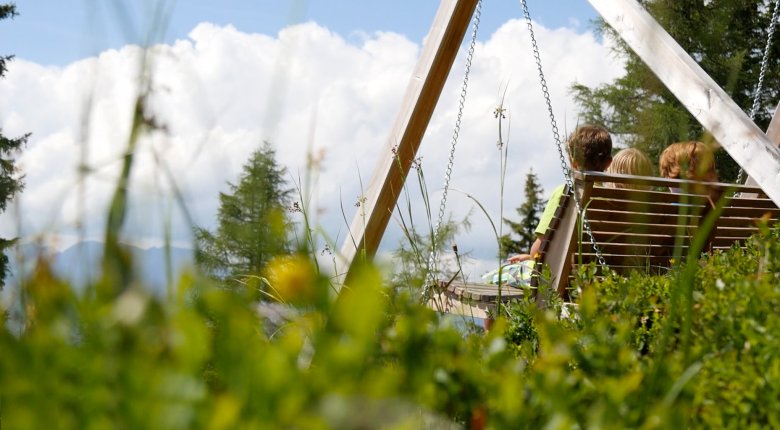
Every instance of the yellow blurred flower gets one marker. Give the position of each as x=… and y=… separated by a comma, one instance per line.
x=292, y=279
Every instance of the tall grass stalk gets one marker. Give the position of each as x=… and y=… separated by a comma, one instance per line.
x=306, y=191
x=503, y=149
x=117, y=267
x=360, y=248
x=418, y=273
x=420, y=255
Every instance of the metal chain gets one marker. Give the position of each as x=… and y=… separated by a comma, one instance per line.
x=432, y=259
x=556, y=135
x=761, y=75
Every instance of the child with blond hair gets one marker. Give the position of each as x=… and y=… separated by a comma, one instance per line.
x=630, y=161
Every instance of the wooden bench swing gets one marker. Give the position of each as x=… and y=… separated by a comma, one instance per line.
x=647, y=230
x=623, y=223
x=632, y=229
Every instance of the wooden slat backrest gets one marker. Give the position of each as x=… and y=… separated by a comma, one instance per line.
x=640, y=229
x=558, y=246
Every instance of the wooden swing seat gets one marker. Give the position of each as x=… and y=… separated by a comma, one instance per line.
x=635, y=230
x=645, y=229
x=472, y=299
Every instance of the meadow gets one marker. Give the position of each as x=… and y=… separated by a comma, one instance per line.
x=286, y=346
x=695, y=348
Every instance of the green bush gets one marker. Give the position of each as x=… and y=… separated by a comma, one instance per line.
x=374, y=358
x=698, y=351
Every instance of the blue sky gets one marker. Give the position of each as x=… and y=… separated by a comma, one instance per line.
x=57, y=32
x=319, y=80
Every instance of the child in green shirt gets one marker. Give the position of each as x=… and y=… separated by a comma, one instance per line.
x=590, y=149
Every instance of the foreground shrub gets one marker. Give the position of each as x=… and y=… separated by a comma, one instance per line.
x=634, y=353
x=694, y=351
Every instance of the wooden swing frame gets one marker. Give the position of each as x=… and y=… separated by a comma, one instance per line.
x=748, y=145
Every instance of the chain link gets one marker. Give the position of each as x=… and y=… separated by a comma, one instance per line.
x=557, y=137
x=761, y=75
x=433, y=257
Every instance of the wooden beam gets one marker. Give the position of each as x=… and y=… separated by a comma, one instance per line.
x=441, y=47
x=773, y=133
x=702, y=96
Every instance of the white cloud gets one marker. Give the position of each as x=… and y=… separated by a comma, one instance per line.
x=222, y=92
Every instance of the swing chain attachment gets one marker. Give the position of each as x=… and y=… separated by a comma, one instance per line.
x=761, y=75
x=556, y=135
x=432, y=258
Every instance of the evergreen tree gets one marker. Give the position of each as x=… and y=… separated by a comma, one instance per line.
x=252, y=220
x=529, y=212
x=11, y=182
x=727, y=39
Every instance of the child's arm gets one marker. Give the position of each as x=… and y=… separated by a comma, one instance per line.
x=536, y=246
x=518, y=258
x=531, y=255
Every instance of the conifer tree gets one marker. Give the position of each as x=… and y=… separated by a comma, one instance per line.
x=11, y=181
x=529, y=212
x=253, y=224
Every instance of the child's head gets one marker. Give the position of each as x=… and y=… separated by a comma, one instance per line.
x=688, y=160
x=631, y=161
x=590, y=148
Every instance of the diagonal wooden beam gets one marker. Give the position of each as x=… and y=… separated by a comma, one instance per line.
x=702, y=96
x=441, y=47
x=773, y=133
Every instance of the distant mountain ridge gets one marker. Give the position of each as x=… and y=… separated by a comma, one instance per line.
x=80, y=263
